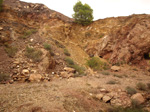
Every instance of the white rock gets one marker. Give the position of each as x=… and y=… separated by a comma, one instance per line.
x=25, y=71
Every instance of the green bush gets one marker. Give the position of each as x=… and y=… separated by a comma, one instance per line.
x=27, y=33
x=69, y=61
x=66, y=52
x=4, y=77
x=33, y=54
x=47, y=46
x=1, y=2
x=96, y=64
x=11, y=51
x=83, y=13
x=80, y=70
x=141, y=86
x=131, y=90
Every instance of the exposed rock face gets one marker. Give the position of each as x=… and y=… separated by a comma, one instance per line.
x=127, y=44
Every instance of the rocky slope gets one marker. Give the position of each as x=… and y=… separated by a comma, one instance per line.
x=35, y=43
x=122, y=40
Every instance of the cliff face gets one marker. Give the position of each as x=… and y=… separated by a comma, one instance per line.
x=130, y=43
x=120, y=40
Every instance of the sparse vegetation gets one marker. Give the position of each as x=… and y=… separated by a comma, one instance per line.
x=66, y=52
x=27, y=33
x=4, y=77
x=47, y=46
x=69, y=61
x=33, y=54
x=102, y=35
x=80, y=70
x=135, y=69
x=1, y=2
x=131, y=90
x=119, y=76
x=87, y=34
x=96, y=64
x=83, y=13
x=141, y=86
x=120, y=109
x=11, y=50
x=112, y=82
x=105, y=73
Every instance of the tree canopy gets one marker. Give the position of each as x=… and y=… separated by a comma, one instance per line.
x=83, y=13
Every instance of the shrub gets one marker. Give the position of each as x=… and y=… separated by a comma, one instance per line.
x=80, y=70
x=4, y=77
x=141, y=86
x=119, y=76
x=47, y=46
x=112, y=82
x=33, y=54
x=69, y=61
x=83, y=13
x=66, y=52
x=131, y=90
x=27, y=33
x=96, y=64
x=11, y=51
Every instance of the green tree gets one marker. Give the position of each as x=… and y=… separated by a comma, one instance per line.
x=1, y=2
x=83, y=13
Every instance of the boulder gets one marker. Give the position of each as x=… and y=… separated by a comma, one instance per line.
x=115, y=68
x=138, y=98
x=99, y=96
x=25, y=71
x=69, y=70
x=65, y=74
x=106, y=98
x=35, y=78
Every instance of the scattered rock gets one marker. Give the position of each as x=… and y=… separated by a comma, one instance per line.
x=25, y=71
x=65, y=74
x=106, y=98
x=1, y=28
x=115, y=68
x=99, y=96
x=35, y=78
x=138, y=98
x=69, y=70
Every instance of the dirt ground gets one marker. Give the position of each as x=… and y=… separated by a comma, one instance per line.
x=66, y=95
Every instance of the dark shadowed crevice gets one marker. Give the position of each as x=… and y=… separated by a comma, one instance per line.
x=147, y=56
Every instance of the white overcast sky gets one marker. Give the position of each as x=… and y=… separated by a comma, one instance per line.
x=101, y=8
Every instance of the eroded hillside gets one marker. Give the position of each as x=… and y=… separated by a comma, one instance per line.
x=40, y=44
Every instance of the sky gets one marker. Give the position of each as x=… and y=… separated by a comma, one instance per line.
x=101, y=8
